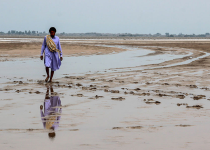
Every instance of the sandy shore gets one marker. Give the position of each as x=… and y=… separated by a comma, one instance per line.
x=157, y=106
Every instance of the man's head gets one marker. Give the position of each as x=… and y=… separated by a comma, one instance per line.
x=52, y=31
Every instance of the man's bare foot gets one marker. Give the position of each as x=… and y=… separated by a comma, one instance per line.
x=50, y=81
x=47, y=79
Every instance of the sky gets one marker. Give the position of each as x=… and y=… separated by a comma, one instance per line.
x=107, y=16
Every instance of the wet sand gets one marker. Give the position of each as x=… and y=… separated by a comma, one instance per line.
x=161, y=105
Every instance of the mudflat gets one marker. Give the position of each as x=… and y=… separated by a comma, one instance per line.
x=153, y=95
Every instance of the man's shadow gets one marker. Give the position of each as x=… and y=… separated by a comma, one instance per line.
x=52, y=112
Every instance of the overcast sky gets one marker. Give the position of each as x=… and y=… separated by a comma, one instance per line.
x=106, y=16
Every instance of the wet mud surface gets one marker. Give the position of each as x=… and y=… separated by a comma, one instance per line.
x=146, y=106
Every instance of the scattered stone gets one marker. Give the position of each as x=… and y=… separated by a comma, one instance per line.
x=161, y=95
x=117, y=128
x=135, y=82
x=195, y=106
x=78, y=84
x=181, y=125
x=37, y=92
x=18, y=91
x=98, y=96
x=179, y=104
x=199, y=97
x=135, y=127
x=180, y=96
x=165, y=84
x=119, y=98
x=192, y=86
x=106, y=90
x=92, y=79
x=115, y=91
x=151, y=101
x=137, y=89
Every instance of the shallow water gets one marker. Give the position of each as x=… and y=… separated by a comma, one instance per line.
x=78, y=65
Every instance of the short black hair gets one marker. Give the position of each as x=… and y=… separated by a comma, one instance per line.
x=52, y=29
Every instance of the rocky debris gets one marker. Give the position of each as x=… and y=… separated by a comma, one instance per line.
x=151, y=101
x=135, y=82
x=7, y=89
x=180, y=96
x=161, y=95
x=178, y=85
x=85, y=88
x=199, y=97
x=121, y=82
x=179, y=104
x=117, y=128
x=195, y=106
x=78, y=95
x=192, y=86
x=148, y=83
x=80, y=78
x=78, y=84
x=37, y=92
x=105, y=86
x=144, y=94
x=98, y=96
x=92, y=79
x=137, y=89
x=165, y=84
x=135, y=127
x=70, y=77
x=182, y=125
x=119, y=98
x=115, y=91
x=18, y=91
x=205, y=88
x=106, y=90
x=110, y=81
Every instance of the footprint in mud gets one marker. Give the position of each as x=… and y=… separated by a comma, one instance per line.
x=118, y=98
x=78, y=95
x=135, y=127
x=151, y=101
x=199, y=97
x=195, y=106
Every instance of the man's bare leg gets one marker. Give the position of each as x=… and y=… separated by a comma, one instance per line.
x=51, y=75
x=47, y=71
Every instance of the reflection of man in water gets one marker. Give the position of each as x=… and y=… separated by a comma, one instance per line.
x=51, y=115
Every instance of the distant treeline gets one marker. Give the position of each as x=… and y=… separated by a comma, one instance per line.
x=94, y=34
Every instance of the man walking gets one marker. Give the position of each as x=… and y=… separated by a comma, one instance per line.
x=51, y=48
